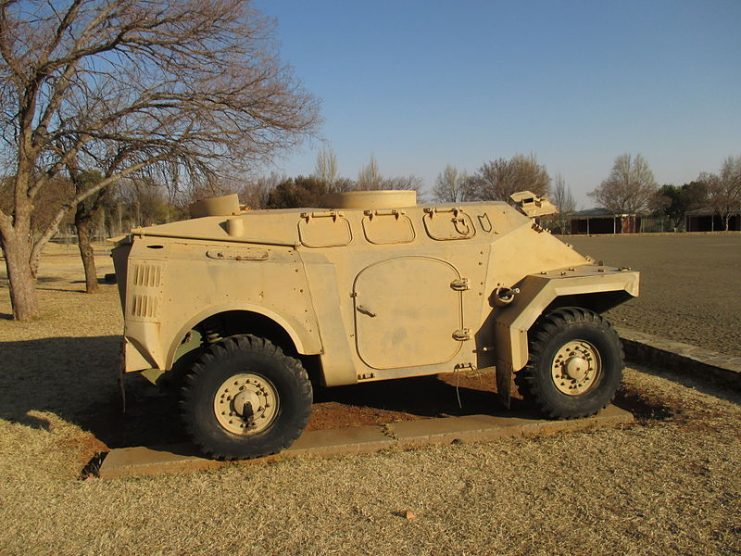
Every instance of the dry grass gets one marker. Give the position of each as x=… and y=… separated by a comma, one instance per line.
x=662, y=486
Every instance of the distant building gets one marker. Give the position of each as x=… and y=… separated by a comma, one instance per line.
x=602, y=221
x=707, y=220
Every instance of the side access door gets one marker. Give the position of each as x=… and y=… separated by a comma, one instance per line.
x=408, y=312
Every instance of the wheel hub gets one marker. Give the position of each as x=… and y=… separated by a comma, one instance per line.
x=576, y=367
x=246, y=404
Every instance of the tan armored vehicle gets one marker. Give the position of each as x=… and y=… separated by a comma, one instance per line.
x=257, y=305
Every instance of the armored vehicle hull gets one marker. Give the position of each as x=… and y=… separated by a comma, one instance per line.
x=372, y=288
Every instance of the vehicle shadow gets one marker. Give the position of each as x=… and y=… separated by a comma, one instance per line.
x=430, y=396
x=77, y=379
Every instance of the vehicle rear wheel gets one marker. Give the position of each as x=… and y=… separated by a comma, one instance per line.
x=245, y=398
x=575, y=364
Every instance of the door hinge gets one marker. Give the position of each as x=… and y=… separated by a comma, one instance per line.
x=461, y=284
x=462, y=334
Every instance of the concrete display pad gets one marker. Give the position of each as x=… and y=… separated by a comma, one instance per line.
x=144, y=461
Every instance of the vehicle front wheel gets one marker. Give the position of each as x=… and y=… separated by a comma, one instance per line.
x=575, y=364
x=245, y=398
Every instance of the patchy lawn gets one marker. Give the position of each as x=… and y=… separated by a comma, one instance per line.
x=668, y=484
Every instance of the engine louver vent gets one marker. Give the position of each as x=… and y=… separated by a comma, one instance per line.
x=146, y=280
x=147, y=275
x=144, y=306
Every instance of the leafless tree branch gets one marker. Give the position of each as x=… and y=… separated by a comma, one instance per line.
x=187, y=89
x=629, y=188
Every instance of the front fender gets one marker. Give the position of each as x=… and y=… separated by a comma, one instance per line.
x=537, y=293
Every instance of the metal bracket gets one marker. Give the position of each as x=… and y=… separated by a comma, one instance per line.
x=432, y=211
x=462, y=334
x=393, y=212
x=334, y=215
x=461, y=284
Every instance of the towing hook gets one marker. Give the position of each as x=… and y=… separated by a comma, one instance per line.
x=505, y=296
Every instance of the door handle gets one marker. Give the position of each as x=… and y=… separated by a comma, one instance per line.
x=365, y=311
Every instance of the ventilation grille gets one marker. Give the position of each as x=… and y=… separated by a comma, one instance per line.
x=147, y=275
x=146, y=289
x=144, y=306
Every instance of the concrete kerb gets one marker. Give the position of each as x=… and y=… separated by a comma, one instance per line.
x=686, y=359
x=480, y=428
x=142, y=461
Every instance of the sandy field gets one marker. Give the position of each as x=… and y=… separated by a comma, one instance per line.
x=690, y=285
x=668, y=484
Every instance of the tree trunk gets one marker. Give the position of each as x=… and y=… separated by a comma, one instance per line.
x=17, y=253
x=83, y=225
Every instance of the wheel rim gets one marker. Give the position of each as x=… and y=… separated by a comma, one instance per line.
x=576, y=367
x=246, y=404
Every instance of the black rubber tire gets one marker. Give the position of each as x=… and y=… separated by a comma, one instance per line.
x=552, y=331
x=174, y=379
x=230, y=357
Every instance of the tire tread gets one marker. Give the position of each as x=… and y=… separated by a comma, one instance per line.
x=530, y=387
x=232, y=346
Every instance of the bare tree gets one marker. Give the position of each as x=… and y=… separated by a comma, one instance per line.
x=47, y=202
x=255, y=193
x=452, y=186
x=325, y=168
x=370, y=177
x=563, y=200
x=153, y=202
x=409, y=182
x=630, y=187
x=143, y=202
x=497, y=180
x=344, y=184
x=86, y=212
x=725, y=189
x=132, y=87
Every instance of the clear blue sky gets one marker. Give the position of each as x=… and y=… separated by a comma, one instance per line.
x=420, y=84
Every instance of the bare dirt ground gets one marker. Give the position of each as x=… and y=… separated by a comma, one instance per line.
x=667, y=485
x=690, y=285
